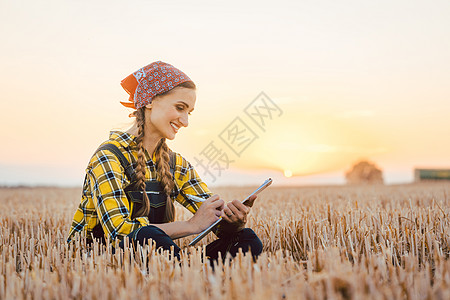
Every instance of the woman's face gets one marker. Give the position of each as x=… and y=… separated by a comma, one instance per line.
x=168, y=113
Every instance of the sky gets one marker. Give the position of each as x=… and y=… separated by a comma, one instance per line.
x=346, y=80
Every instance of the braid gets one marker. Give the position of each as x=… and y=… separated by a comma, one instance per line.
x=140, y=168
x=165, y=177
x=162, y=163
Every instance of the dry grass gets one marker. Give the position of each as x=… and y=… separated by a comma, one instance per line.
x=382, y=242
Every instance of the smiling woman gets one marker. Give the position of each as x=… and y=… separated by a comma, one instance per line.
x=168, y=113
x=133, y=178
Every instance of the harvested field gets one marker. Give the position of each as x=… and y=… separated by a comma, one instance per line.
x=371, y=242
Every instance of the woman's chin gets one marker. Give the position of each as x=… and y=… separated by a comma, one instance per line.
x=170, y=136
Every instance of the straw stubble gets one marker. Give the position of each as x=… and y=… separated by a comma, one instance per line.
x=382, y=242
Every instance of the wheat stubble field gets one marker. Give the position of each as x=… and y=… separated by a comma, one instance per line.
x=369, y=242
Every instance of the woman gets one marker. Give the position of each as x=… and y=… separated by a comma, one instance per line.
x=133, y=178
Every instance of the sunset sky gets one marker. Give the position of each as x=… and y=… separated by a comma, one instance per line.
x=353, y=79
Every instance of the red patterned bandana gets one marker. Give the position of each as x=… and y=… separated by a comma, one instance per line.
x=149, y=81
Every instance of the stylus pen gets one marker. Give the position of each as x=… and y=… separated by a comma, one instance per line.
x=195, y=198
x=205, y=232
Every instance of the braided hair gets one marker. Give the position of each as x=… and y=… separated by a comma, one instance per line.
x=162, y=164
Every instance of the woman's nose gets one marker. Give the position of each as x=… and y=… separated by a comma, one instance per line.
x=184, y=119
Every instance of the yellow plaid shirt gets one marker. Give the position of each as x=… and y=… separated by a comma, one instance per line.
x=103, y=198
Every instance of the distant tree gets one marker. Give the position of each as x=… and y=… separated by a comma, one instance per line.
x=364, y=172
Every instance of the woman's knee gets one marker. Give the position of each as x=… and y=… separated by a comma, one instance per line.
x=157, y=235
x=143, y=235
x=249, y=237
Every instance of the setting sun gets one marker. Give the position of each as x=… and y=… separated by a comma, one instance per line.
x=288, y=173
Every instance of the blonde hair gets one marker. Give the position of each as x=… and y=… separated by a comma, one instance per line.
x=162, y=154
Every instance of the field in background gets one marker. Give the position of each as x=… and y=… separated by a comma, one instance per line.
x=379, y=242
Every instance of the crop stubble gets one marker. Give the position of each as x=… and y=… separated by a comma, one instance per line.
x=378, y=242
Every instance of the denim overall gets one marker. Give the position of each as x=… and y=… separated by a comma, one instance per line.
x=153, y=188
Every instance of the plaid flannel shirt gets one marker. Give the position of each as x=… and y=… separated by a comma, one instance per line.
x=103, y=198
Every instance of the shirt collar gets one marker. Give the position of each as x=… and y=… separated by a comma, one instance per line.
x=128, y=140
x=123, y=138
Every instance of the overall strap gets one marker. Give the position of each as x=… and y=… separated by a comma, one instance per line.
x=129, y=172
x=172, y=163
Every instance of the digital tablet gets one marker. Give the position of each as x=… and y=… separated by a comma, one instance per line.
x=207, y=230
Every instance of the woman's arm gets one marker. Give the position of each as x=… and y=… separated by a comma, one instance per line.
x=208, y=213
x=189, y=182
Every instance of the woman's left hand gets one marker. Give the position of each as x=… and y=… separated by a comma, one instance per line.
x=236, y=213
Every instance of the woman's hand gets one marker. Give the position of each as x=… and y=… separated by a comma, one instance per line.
x=209, y=212
x=236, y=213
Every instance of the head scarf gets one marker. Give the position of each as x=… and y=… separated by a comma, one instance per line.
x=149, y=81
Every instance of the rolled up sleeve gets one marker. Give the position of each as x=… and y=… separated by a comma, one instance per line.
x=107, y=183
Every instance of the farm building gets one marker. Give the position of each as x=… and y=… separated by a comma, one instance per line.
x=431, y=174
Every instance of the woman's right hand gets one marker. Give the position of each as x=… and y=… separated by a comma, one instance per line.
x=209, y=212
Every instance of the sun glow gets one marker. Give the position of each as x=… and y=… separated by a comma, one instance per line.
x=287, y=173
